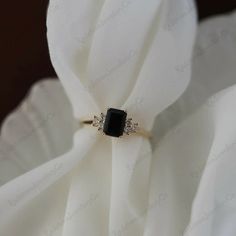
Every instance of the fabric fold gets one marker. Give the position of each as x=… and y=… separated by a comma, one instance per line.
x=215, y=192
x=89, y=193
x=122, y=211
x=202, y=191
x=121, y=44
x=23, y=189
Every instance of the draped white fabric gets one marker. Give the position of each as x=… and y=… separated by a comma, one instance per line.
x=61, y=179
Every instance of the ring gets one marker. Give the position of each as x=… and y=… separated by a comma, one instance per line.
x=115, y=123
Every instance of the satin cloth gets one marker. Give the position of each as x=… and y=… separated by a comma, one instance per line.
x=58, y=178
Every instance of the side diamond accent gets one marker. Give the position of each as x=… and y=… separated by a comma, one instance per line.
x=130, y=127
x=99, y=121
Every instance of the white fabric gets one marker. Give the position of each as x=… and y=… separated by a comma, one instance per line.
x=117, y=65
x=134, y=55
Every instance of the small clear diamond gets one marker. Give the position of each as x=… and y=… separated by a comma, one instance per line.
x=99, y=121
x=130, y=127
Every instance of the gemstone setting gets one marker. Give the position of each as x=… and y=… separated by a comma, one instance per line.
x=114, y=123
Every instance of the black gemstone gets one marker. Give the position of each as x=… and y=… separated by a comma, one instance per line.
x=115, y=122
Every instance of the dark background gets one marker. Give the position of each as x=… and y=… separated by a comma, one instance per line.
x=23, y=46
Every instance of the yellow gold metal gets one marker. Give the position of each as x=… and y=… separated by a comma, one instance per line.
x=139, y=131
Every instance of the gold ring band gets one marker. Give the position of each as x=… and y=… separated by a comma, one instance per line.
x=115, y=124
x=139, y=131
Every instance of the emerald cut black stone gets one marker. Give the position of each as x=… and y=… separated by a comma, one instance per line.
x=115, y=122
